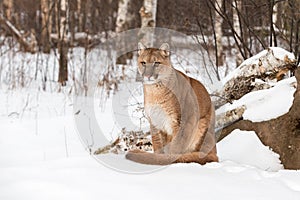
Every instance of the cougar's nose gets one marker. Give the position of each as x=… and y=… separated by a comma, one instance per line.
x=148, y=73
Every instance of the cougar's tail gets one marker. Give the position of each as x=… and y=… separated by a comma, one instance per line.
x=166, y=159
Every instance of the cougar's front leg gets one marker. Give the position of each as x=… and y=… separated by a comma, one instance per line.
x=157, y=140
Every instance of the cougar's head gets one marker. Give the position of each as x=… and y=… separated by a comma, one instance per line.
x=154, y=64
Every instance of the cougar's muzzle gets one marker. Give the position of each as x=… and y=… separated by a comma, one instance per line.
x=149, y=72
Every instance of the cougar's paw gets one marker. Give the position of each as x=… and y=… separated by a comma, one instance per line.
x=132, y=154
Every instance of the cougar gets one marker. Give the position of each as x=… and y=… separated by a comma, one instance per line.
x=179, y=111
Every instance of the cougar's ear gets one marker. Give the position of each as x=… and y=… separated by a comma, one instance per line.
x=165, y=49
x=141, y=48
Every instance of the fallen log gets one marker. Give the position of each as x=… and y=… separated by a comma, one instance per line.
x=254, y=74
x=282, y=134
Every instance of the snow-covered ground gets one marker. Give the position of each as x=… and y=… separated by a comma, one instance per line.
x=44, y=153
x=41, y=157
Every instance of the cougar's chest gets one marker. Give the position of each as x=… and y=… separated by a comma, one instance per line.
x=160, y=108
x=159, y=118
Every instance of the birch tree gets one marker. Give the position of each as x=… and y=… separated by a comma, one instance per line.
x=8, y=9
x=218, y=32
x=273, y=17
x=79, y=15
x=46, y=26
x=237, y=7
x=148, y=19
x=121, y=23
x=63, y=43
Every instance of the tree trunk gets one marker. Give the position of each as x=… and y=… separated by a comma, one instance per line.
x=63, y=44
x=237, y=7
x=8, y=9
x=25, y=45
x=148, y=19
x=79, y=15
x=121, y=23
x=46, y=26
x=218, y=32
x=83, y=15
x=273, y=41
x=282, y=134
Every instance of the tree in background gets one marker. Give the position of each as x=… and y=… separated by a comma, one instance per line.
x=122, y=22
x=218, y=33
x=8, y=9
x=46, y=26
x=63, y=41
x=148, y=19
x=252, y=25
x=237, y=7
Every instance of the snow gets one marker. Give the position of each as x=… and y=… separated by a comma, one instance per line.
x=42, y=158
x=247, y=141
x=278, y=53
x=266, y=104
x=43, y=154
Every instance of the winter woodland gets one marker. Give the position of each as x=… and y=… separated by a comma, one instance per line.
x=71, y=100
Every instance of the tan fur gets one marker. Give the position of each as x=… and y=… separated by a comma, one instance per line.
x=179, y=110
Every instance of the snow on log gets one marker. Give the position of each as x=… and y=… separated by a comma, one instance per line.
x=281, y=134
x=256, y=73
x=128, y=140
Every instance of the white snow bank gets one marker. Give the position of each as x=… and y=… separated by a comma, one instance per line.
x=244, y=147
x=266, y=104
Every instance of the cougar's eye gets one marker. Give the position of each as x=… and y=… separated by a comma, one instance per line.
x=156, y=63
x=143, y=63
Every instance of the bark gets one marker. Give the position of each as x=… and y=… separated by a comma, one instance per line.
x=122, y=23
x=275, y=13
x=8, y=9
x=273, y=41
x=79, y=14
x=148, y=19
x=266, y=68
x=219, y=32
x=229, y=117
x=46, y=26
x=237, y=7
x=128, y=140
x=28, y=46
x=63, y=44
x=282, y=134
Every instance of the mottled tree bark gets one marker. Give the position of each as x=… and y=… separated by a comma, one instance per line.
x=8, y=9
x=46, y=26
x=63, y=44
x=237, y=7
x=122, y=23
x=219, y=32
x=148, y=19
